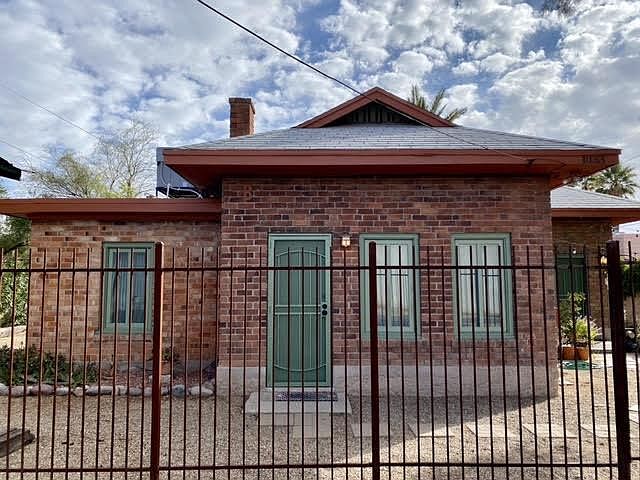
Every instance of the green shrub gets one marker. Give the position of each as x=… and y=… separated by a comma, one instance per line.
x=28, y=362
x=576, y=328
x=14, y=290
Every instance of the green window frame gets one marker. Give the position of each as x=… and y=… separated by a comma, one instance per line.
x=482, y=296
x=128, y=294
x=398, y=317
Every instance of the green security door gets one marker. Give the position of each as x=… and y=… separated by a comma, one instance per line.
x=299, y=324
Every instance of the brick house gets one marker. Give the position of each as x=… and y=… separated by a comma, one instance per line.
x=373, y=169
x=582, y=224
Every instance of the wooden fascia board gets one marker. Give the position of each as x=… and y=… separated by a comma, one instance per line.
x=590, y=159
x=112, y=209
x=614, y=215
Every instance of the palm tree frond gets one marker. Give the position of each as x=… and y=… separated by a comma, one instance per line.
x=437, y=106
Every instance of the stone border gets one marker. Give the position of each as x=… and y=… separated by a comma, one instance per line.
x=204, y=390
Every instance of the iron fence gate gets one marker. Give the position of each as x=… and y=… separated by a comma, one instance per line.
x=168, y=362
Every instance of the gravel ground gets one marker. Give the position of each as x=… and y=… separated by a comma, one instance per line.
x=193, y=428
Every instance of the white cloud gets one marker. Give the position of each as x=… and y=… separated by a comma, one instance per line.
x=503, y=26
x=413, y=63
x=589, y=92
x=464, y=69
x=97, y=64
x=176, y=64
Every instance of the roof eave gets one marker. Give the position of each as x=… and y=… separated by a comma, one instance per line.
x=120, y=209
x=615, y=216
x=204, y=167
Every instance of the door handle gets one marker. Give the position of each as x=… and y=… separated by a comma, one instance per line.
x=325, y=310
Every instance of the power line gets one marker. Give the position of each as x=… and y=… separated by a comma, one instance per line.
x=273, y=45
x=49, y=111
x=346, y=85
x=23, y=151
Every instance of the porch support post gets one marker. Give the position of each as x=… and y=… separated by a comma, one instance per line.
x=621, y=387
x=157, y=361
x=375, y=386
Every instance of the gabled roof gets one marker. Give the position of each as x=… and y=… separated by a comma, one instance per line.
x=337, y=143
x=378, y=96
x=569, y=202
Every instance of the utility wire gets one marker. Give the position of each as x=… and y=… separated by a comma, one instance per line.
x=349, y=87
x=273, y=45
x=49, y=111
x=23, y=151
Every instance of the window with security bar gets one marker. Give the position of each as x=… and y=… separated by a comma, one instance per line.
x=482, y=301
x=397, y=287
x=128, y=294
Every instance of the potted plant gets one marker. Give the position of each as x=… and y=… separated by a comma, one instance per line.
x=168, y=357
x=577, y=329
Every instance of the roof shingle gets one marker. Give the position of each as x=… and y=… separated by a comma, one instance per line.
x=574, y=198
x=387, y=136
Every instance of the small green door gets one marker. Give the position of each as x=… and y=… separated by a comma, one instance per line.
x=299, y=326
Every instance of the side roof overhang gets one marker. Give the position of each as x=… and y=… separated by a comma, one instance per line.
x=319, y=147
x=569, y=203
x=113, y=210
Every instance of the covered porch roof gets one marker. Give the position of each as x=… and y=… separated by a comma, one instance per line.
x=574, y=203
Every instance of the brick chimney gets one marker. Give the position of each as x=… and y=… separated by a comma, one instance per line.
x=241, y=116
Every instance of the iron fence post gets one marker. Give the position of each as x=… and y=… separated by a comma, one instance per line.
x=621, y=387
x=156, y=395
x=375, y=386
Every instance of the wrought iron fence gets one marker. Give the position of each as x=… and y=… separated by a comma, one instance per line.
x=194, y=362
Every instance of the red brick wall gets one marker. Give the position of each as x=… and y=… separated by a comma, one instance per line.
x=52, y=303
x=433, y=207
x=587, y=237
x=241, y=117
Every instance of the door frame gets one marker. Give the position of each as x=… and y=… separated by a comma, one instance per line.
x=273, y=237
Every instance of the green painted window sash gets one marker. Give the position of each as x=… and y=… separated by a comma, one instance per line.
x=109, y=295
x=391, y=240
x=477, y=242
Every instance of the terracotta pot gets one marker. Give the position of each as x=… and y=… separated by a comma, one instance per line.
x=570, y=352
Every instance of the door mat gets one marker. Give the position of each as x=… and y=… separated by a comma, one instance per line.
x=580, y=365
x=306, y=396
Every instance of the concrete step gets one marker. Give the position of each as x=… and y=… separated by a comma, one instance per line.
x=265, y=404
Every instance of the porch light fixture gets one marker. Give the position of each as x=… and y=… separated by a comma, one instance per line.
x=603, y=260
x=346, y=241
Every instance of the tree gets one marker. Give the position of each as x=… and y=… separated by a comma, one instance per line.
x=437, y=106
x=620, y=181
x=69, y=176
x=128, y=161
x=14, y=286
x=122, y=165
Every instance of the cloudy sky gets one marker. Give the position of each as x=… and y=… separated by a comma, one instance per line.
x=175, y=64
